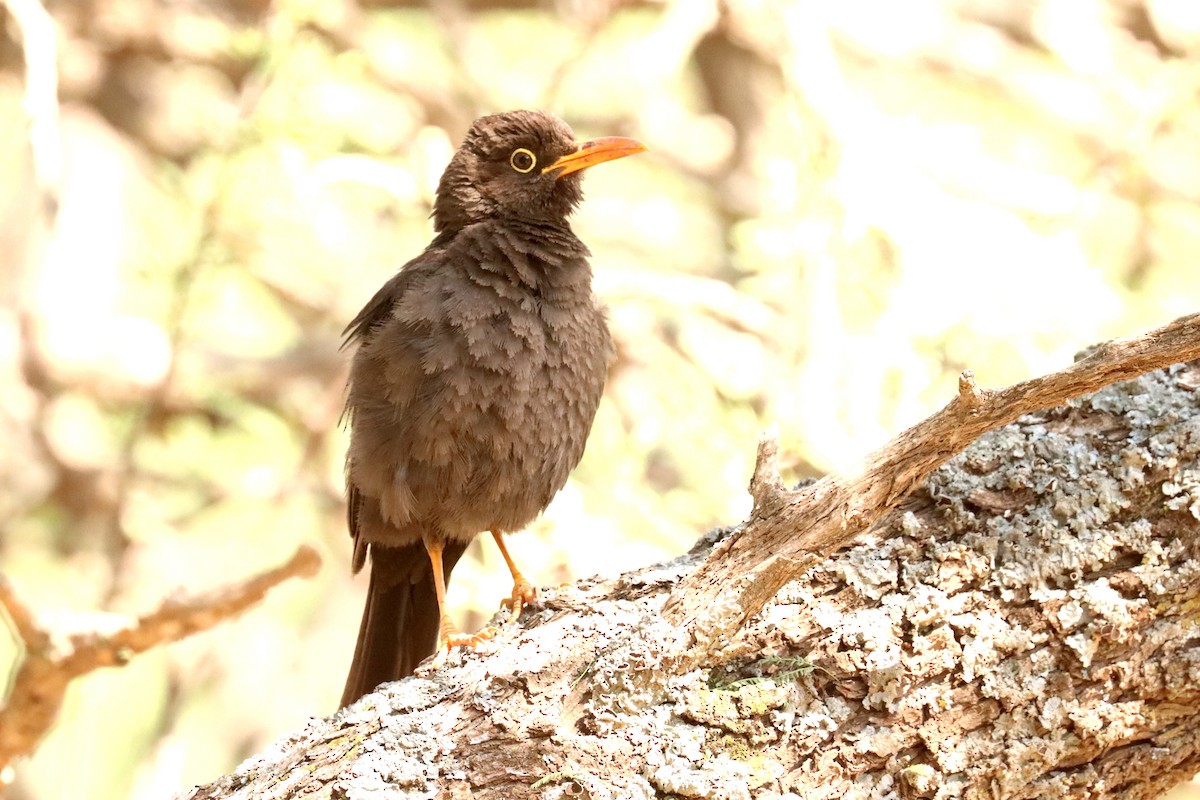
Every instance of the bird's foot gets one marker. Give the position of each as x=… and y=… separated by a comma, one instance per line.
x=450, y=637
x=470, y=640
x=523, y=594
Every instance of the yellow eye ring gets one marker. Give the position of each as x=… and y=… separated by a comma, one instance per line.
x=522, y=160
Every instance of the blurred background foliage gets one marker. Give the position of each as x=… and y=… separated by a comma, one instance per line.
x=845, y=204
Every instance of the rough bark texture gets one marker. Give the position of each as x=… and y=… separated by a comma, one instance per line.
x=790, y=531
x=1021, y=627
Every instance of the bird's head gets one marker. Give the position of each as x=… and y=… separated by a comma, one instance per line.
x=520, y=165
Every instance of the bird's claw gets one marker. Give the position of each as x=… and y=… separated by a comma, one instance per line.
x=523, y=594
x=450, y=637
x=469, y=640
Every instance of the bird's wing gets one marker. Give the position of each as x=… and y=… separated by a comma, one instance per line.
x=378, y=308
x=385, y=375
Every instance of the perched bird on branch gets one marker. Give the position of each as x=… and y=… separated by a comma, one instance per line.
x=477, y=374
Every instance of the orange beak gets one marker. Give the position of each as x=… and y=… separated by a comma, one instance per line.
x=594, y=152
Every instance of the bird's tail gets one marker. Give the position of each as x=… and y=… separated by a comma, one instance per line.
x=400, y=621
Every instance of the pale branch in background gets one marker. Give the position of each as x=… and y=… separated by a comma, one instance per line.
x=44, y=674
x=40, y=46
x=790, y=531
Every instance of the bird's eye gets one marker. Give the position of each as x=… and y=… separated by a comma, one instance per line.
x=522, y=160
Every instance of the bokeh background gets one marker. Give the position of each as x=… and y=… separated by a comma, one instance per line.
x=845, y=204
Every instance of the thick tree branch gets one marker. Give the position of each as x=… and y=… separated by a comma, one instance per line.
x=42, y=679
x=1021, y=627
x=790, y=531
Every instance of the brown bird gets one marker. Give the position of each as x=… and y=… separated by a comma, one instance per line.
x=479, y=368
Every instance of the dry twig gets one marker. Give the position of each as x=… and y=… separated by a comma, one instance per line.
x=42, y=679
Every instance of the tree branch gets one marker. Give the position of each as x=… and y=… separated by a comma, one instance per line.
x=40, y=49
x=42, y=679
x=790, y=531
x=1022, y=627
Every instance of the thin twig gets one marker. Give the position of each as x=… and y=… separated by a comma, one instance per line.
x=41, y=681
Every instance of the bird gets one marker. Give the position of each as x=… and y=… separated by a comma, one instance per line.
x=476, y=375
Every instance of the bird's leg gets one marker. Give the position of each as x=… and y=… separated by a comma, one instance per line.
x=523, y=592
x=448, y=633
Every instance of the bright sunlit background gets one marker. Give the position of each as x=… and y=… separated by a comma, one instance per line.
x=845, y=204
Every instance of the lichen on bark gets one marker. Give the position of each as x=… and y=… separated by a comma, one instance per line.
x=1022, y=626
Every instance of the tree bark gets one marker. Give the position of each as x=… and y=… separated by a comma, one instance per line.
x=1022, y=625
